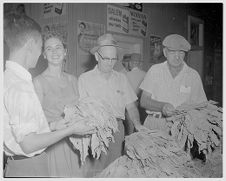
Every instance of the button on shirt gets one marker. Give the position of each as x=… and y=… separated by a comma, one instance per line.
x=116, y=90
x=22, y=110
x=186, y=87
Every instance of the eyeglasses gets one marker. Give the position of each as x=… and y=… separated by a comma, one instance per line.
x=107, y=59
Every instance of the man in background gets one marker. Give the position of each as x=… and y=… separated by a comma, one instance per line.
x=135, y=74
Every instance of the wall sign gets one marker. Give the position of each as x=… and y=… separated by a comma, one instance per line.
x=88, y=33
x=117, y=19
x=135, y=6
x=138, y=24
x=155, y=48
x=53, y=9
x=126, y=21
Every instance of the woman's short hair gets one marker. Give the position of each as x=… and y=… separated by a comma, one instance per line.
x=53, y=34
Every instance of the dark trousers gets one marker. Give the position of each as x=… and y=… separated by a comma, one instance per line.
x=115, y=150
x=36, y=166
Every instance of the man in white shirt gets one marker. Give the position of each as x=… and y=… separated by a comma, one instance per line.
x=113, y=87
x=170, y=84
x=26, y=131
x=135, y=75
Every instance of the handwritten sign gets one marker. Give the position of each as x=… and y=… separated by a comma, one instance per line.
x=53, y=9
x=126, y=21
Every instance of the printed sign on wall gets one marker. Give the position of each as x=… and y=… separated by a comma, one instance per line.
x=126, y=21
x=138, y=23
x=135, y=6
x=88, y=34
x=156, y=49
x=53, y=9
x=117, y=19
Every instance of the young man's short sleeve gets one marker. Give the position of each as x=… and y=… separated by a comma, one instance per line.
x=23, y=112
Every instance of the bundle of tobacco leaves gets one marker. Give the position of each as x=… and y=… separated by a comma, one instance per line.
x=152, y=154
x=99, y=115
x=202, y=123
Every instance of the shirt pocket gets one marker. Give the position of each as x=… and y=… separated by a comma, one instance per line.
x=184, y=96
x=120, y=97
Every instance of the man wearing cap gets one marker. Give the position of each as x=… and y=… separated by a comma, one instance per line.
x=113, y=87
x=170, y=84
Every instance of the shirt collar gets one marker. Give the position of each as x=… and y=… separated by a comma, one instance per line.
x=18, y=70
x=184, y=69
x=97, y=71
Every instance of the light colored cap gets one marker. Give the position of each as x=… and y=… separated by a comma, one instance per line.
x=176, y=42
x=135, y=57
x=136, y=49
x=104, y=40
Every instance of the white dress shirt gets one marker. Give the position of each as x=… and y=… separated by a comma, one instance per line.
x=186, y=87
x=116, y=90
x=135, y=77
x=23, y=113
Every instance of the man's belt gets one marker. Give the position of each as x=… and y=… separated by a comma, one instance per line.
x=20, y=157
x=17, y=157
x=154, y=114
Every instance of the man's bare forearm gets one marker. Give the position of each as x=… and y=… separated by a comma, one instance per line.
x=133, y=114
x=34, y=142
x=150, y=104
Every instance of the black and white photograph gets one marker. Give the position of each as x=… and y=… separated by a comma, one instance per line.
x=112, y=90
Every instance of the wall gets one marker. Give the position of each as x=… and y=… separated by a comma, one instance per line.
x=163, y=19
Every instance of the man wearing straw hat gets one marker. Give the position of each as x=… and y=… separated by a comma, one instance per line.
x=113, y=87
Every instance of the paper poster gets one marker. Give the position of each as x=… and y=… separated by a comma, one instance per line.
x=60, y=28
x=138, y=24
x=87, y=35
x=117, y=19
x=126, y=21
x=135, y=6
x=155, y=49
x=53, y=9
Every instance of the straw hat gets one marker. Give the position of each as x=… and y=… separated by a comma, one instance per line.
x=104, y=40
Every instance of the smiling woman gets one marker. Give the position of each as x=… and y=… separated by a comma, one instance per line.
x=56, y=89
x=54, y=51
